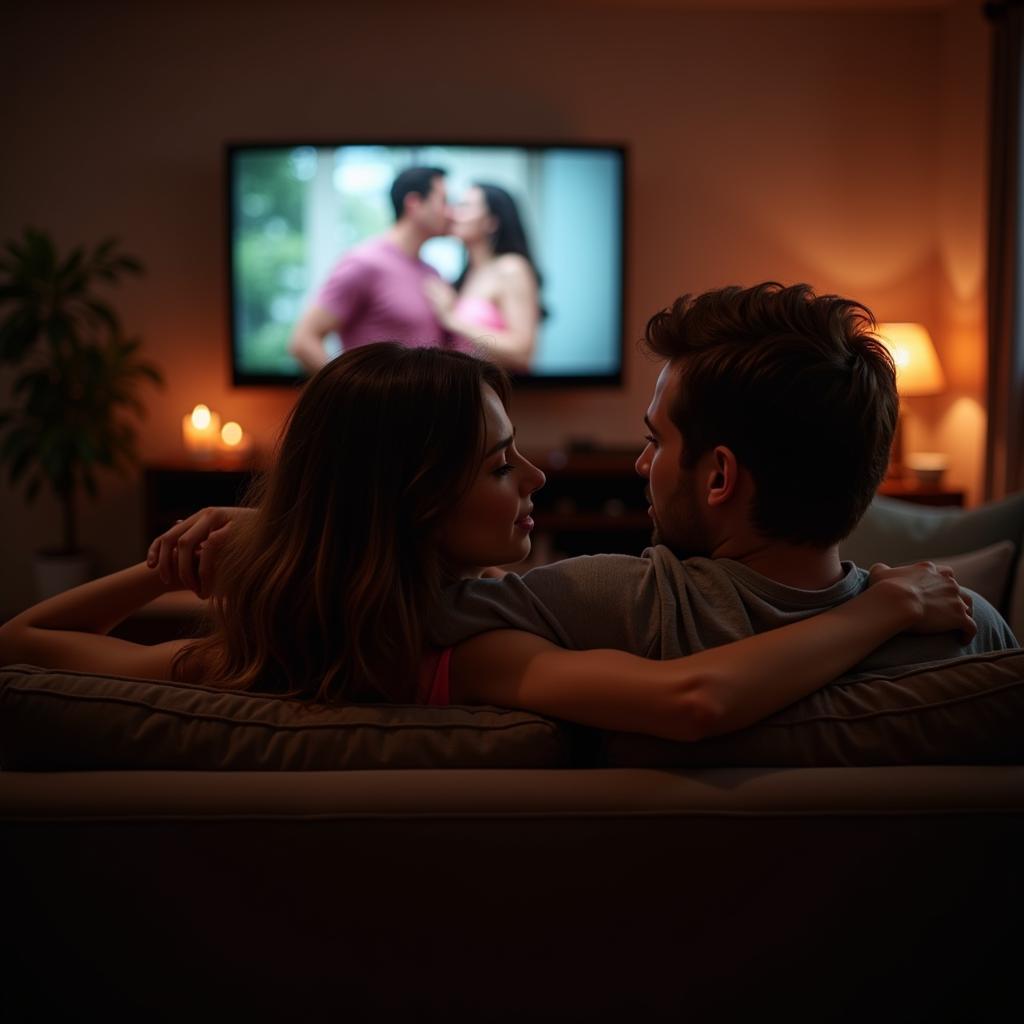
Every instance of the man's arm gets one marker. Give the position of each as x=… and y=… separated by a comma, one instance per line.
x=307, y=341
x=713, y=691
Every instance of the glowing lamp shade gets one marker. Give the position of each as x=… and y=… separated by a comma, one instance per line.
x=918, y=371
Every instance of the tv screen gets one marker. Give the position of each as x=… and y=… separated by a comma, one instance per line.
x=295, y=210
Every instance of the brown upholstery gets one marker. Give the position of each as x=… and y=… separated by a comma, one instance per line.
x=838, y=894
x=59, y=721
x=829, y=894
x=968, y=711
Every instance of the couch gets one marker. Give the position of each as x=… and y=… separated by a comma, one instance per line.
x=179, y=853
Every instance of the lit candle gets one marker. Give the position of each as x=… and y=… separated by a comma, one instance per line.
x=233, y=439
x=200, y=430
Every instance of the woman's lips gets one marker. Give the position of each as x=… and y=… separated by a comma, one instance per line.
x=525, y=523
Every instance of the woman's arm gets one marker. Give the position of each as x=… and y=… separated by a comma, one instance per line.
x=519, y=304
x=714, y=691
x=69, y=631
x=186, y=554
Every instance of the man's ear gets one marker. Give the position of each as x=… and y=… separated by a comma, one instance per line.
x=723, y=476
x=412, y=202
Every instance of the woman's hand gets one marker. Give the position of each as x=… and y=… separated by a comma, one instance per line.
x=938, y=603
x=186, y=554
x=441, y=296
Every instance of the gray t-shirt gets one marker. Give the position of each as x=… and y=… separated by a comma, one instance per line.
x=658, y=606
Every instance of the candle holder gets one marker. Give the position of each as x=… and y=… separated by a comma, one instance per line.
x=233, y=441
x=200, y=431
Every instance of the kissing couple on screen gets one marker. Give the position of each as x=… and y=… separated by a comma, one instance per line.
x=382, y=289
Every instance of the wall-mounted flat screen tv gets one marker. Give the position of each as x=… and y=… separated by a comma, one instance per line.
x=296, y=209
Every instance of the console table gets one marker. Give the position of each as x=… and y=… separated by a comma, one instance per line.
x=922, y=494
x=593, y=501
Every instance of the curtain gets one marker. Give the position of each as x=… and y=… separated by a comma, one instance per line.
x=1004, y=449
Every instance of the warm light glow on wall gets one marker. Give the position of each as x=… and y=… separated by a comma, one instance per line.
x=918, y=371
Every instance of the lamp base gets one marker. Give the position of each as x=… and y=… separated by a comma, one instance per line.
x=927, y=468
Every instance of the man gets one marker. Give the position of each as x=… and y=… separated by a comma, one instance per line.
x=769, y=432
x=376, y=290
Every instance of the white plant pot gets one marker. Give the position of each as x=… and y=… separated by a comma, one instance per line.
x=56, y=573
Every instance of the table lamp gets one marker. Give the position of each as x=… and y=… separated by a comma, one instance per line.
x=918, y=372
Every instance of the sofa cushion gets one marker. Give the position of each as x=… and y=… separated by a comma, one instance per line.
x=57, y=721
x=986, y=571
x=898, y=532
x=967, y=711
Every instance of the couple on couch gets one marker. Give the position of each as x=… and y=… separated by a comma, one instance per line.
x=356, y=575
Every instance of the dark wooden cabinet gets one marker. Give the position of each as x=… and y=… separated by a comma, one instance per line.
x=922, y=494
x=593, y=501
x=173, y=491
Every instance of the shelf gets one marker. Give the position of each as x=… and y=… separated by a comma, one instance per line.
x=591, y=522
x=921, y=494
x=594, y=465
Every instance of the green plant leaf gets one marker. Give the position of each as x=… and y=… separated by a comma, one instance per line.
x=100, y=313
x=41, y=252
x=18, y=333
x=130, y=265
x=76, y=386
x=18, y=465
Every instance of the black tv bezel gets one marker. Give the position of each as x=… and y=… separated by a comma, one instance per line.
x=240, y=379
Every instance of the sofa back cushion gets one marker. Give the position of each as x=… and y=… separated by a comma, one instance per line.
x=967, y=711
x=899, y=532
x=62, y=721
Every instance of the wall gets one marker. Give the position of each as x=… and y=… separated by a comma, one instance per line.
x=839, y=148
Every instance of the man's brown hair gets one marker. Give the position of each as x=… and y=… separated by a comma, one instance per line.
x=799, y=388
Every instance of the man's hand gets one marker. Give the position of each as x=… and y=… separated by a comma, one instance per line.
x=186, y=554
x=938, y=603
x=441, y=296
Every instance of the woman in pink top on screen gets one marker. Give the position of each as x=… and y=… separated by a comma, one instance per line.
x=495, y=301
x=398, y=473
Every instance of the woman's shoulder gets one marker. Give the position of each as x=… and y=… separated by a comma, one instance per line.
x=512, y=265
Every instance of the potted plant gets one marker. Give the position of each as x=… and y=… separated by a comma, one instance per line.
x=75, y=383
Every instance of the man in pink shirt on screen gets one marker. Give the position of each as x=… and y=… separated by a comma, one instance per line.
x=375, y=291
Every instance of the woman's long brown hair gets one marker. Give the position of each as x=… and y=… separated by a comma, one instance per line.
x=325, y=593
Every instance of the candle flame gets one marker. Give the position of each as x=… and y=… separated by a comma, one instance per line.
x=201, y=417
x=231, y=434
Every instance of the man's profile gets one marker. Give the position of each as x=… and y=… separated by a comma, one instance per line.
x=769, y=433
x=375, y=292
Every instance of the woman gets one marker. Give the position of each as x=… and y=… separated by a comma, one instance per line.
x=374, y=503
x=495, y=301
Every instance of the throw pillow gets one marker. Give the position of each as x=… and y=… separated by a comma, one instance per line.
x=986, y=572
x=898, y=532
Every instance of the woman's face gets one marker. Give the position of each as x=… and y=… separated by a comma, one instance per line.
x=491, y=524
x=471, y=220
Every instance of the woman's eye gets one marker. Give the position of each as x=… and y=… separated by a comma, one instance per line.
x=651, y=440
x=504, y=469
